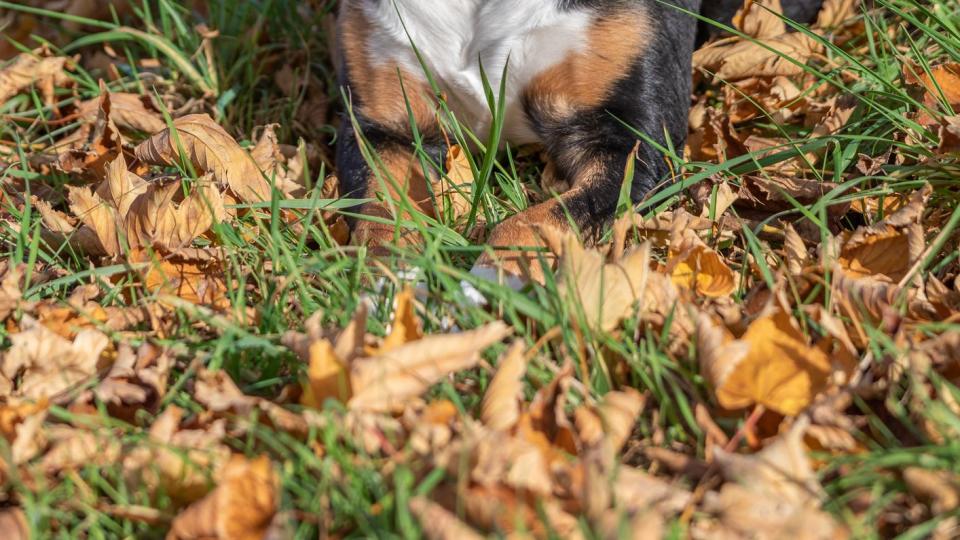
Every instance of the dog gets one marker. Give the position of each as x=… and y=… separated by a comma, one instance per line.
x=579, y=78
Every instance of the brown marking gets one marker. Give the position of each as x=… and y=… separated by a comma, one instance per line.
x=585, y=79
x=381, y=87
x=399, y=182
x=523, y=231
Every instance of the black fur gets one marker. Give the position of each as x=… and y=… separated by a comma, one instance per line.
x=653, y=98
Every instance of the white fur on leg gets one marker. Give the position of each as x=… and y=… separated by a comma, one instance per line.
x=493, y=275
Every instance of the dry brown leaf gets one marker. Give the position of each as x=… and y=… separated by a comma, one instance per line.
x=22, y=425
x=97, y=216
x=773, y=494
x=210, y=149
x=887, y=250
x=94, y=145
x=606, y=292
x=760, y=19
x=156, y=220
x=131, y=112
x=784, y=55
x=183, y=464
x=611, y=421
x=136, y=381
x=438, y=523
x=48, y=365
x=772, y=364
x=500, y=410
x=242, y=507
x=835, y=12
x=387, y=381
x=72, y=448
x=10, y=292
x=221, y=396
x=199, y=282
x=795, y=252
x=636, y=490
x=941, y=488
x=33, y=69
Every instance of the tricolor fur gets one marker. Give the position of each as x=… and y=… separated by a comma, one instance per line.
x=578, y=73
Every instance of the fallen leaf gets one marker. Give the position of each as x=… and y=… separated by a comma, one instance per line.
x=501, y=402
x=199, y=282
x=29, y=69
x=327, y=376
x=887, y=250
x=13, y=524
x=405, y=325
x=772, y=364
x=183, y=464
x=386, y=381
x=10, y=293
x=695, y=266
x=438, y=523
x=760, y=19
x=209, y=149
x=242, y=506
x=131, y=112
x=605, y=292
x=941, y=488
x=454, y=190
x=773, y=494
x=612, y=420
x=48, y=365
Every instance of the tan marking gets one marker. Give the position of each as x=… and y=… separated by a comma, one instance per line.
x=523, y=231
x=398, y=183
x=382, y=89
x=585, y=79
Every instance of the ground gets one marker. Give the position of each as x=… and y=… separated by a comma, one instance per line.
x=765, y=347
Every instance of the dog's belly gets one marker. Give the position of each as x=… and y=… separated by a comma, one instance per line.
x=456, y=37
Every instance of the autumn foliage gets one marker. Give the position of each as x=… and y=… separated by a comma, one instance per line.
x=800, y=312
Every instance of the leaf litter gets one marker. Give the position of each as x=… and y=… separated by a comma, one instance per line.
x=775, y=318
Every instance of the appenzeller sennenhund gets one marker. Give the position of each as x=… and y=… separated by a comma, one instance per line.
x=580, y=77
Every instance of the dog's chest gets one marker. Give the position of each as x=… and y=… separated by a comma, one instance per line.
x=456, y=37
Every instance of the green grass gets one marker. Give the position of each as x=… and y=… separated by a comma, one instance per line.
x=344, y=490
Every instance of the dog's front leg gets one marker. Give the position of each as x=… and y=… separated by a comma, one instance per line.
x=634, y=75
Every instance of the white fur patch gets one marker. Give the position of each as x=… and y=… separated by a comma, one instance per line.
x=454, y=37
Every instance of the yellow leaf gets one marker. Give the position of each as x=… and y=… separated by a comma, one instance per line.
x=327, y=376
x=454, y=190
x=406, y=326
x=697, y=267
x=772, y=364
